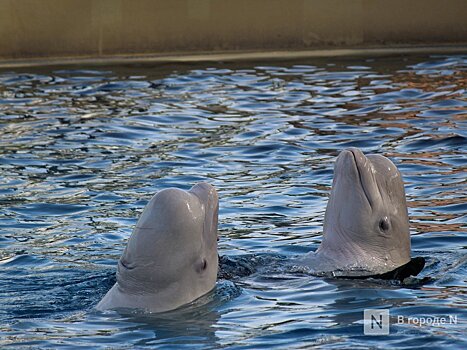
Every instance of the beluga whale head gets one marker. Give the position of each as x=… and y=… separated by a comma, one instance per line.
x=366, y=224
x=171, y=257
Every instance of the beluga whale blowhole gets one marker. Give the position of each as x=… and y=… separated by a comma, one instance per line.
x=366, y=224
x=171, y=257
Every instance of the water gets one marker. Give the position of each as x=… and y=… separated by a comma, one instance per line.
x=82, y=151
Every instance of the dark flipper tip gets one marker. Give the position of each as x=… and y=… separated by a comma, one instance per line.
x=412, y=268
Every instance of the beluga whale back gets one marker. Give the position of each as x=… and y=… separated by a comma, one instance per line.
x=171, y=256
x=366, y=224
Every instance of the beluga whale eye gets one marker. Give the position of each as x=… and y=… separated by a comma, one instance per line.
x=202, y=265
x=384, y=224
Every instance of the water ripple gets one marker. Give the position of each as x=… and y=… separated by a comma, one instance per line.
x=83, y=150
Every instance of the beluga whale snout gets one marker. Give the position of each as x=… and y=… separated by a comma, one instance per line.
x=171, y=257
x=366, y=223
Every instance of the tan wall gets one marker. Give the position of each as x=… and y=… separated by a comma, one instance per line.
x=56, y=28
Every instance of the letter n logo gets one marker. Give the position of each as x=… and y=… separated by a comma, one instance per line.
x=376, y=322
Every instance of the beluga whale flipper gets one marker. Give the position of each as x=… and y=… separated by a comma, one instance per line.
x=171, y=256
x=366, y=224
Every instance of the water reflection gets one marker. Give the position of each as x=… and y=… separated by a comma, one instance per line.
x=83, y=150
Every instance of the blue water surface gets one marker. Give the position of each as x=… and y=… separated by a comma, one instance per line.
x=83, y=150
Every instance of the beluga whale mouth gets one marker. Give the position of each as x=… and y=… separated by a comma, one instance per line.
x=366, y=224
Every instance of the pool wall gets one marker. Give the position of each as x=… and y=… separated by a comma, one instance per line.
x=54, y=29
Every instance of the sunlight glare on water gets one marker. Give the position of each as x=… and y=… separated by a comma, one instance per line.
x=83, y=150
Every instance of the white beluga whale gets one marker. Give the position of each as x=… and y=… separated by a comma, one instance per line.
x=366, y=223
x=171, y=257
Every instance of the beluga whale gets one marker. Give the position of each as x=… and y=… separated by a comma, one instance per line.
x=171, y=257
x=366, y=224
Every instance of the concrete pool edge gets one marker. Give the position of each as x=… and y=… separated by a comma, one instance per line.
x=236, y=56
x=50, y=29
